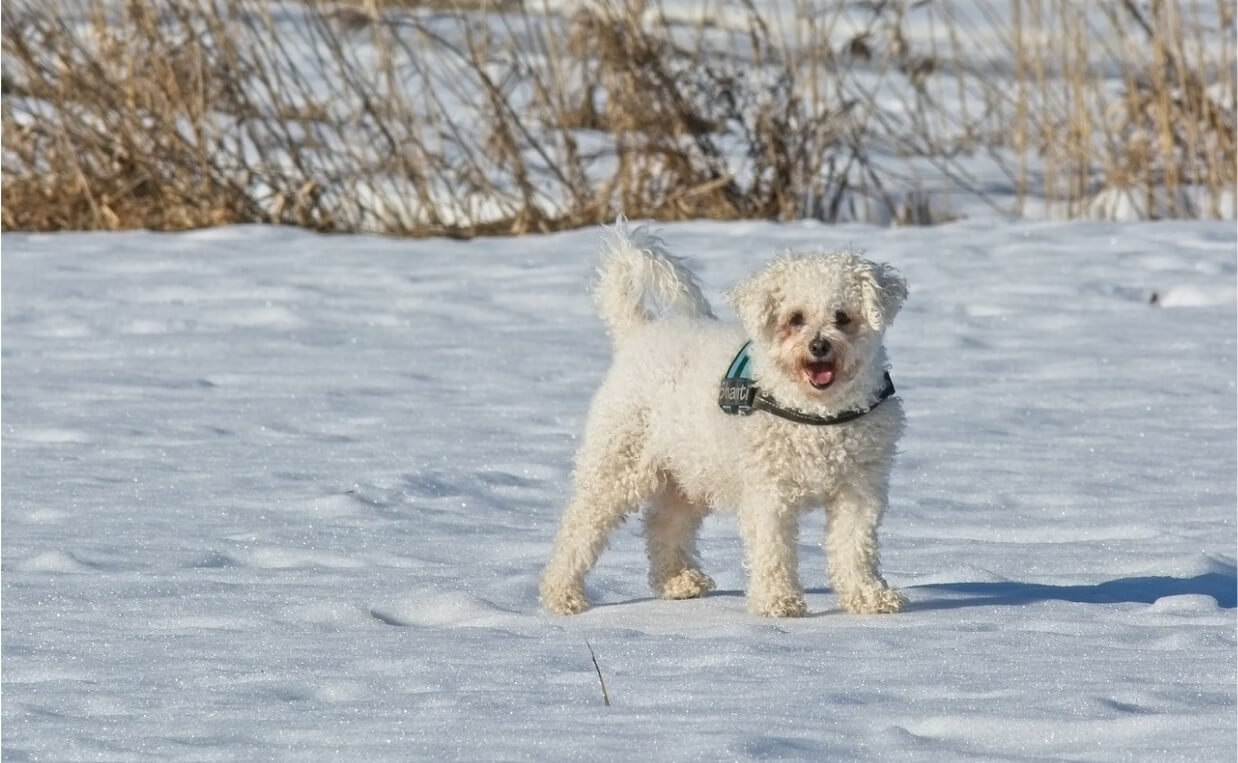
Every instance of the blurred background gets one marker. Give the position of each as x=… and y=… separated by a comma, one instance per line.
x=468, y=117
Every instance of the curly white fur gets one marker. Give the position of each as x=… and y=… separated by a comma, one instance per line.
x=637, y=268
x=655, y=436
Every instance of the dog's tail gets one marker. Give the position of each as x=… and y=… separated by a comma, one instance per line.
x=639, y=279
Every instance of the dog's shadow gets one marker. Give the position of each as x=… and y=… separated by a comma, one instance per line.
x=1221, y=586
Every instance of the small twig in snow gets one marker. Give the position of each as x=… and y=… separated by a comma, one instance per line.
x=594, y=657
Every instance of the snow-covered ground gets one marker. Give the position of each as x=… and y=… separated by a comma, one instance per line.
x=272, y=495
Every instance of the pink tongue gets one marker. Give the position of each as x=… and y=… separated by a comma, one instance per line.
x=820, y=374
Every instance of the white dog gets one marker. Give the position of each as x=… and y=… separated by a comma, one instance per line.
x=690, y=417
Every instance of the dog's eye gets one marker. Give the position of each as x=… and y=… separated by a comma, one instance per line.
x=796, y=319
x=841, y=318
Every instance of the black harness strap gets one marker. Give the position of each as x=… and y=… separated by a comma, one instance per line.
x=740, y=396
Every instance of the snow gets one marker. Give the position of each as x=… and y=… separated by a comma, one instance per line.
x=275, y=495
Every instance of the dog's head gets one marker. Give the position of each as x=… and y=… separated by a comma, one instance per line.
x=818, y=319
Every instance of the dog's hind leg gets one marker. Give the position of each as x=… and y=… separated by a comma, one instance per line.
x=612, y=478
x=671, y=524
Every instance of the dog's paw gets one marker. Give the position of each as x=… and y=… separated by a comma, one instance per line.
x=688, y=584
x=873, y=601
x=789, y=605
x=563, y=601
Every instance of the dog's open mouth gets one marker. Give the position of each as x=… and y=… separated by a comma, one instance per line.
x=820, y=373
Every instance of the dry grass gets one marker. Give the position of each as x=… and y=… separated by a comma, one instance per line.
x=453, y=119
x=1167, y=131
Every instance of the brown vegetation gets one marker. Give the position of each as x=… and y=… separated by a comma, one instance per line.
x=452, y=119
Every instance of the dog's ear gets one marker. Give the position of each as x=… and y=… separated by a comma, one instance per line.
x=884, y=291
x=754, y=300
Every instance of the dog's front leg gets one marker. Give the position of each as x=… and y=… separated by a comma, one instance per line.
x=769, y=530
x=853, y=512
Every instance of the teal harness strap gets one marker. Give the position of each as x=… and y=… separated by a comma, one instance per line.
x=739, y=395
x=740, y=363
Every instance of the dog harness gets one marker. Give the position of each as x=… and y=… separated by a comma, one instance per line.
x=739, y=395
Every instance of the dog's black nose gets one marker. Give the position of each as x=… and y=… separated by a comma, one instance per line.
x=820, y=347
